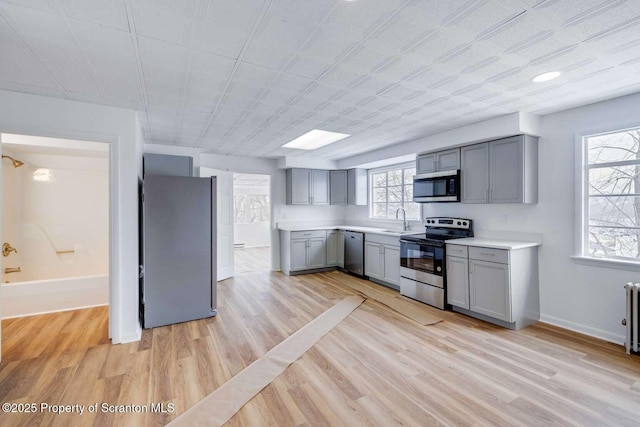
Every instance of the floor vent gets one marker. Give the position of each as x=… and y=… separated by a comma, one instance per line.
x=631, y=321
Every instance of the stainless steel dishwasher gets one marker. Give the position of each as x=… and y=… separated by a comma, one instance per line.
x=354, y=252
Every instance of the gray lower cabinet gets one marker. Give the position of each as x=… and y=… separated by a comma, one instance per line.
x=317, y=253
x=382, y=259
x=458, y=281
x=372, y=260
x=303, y=250
x=496, y=285
x=307, y=187
x=490, y=289
x=332, y=248
x=340, y=249
x=500, y=171
x=338, y=187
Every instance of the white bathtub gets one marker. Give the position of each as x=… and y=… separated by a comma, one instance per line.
x=46, y=296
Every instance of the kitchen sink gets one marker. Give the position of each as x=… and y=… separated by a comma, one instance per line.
x=400, y=232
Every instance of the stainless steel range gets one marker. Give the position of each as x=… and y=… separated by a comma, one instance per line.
x=422, y=257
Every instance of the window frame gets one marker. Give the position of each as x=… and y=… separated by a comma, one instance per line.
x=581, y=251
x=371, y=172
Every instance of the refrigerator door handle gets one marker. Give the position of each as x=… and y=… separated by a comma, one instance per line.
x=214, y=245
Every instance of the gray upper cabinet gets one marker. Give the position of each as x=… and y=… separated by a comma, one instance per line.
x=319, y=187
x=513, y=163
x=475, y=173
x=162, y=164
x=307, y=187
x=298, y=187
x=357, y=190
x=426, y=163
x=338, y=191
x=438, y=161
x=501, y=171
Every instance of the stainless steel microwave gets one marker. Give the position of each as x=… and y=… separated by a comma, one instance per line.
x=437, y=187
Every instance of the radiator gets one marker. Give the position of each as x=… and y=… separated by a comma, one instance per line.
x=631, y=321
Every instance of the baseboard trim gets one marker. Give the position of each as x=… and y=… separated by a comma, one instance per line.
x=586, y=330
x=55, y=311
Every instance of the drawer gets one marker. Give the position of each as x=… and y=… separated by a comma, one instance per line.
x=457, y=250
x=382, y=239
x=313, y=234
x=487, y=254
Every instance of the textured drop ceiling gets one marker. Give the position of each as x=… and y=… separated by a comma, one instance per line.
x=244, y=77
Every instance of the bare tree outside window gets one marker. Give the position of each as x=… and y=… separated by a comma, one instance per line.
x=613, y=199
x=393, y=189
x=239, y=208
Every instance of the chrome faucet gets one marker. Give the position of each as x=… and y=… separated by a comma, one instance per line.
x=405, y=223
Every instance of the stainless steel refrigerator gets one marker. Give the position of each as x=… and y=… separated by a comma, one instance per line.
x=178, y=249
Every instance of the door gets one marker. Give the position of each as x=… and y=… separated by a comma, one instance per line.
x=475, y=174
x=448, y=160
x=338, y=180
x=426, y=164
x=299, y=254
x=372, y=260
x=458, y=282
x=340, y=249
x=225, y=220
x=332, y=248
x=179, y=249
x=391, y=264
x=320, y=187
x=507, y=163
x=317, y=253
x=489, y=289
x=300, y=186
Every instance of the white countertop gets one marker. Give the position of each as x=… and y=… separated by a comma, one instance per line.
x=493, y=243
x=372, y=230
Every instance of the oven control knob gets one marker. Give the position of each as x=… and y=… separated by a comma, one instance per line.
x=464, y=223
x=459, y=223
x=438, y=268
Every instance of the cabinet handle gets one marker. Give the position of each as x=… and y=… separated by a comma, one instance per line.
x=486, y=195
x=311, y=199
x=490, y=195
x=487, y=254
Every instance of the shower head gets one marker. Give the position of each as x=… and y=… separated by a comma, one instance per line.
x=16, y=163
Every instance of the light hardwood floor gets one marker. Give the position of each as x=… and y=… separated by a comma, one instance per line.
x=375, y=368
x=252, y=259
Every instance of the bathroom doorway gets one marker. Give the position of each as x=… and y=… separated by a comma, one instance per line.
x=251, y=222
x=55, y=227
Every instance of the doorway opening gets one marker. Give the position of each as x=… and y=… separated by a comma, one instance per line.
x=251, y=222
x=55, y=232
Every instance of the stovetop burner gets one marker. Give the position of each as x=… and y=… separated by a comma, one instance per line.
x=438, y=230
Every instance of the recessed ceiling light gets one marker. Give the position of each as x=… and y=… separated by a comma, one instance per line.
x=546, y=76
x=315, y=138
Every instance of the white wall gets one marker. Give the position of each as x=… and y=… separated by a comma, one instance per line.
x=280, y=210
x=574, y=295
x=70, y=212
x=37, y=115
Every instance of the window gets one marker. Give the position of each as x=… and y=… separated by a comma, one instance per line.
x=250, y=208
x=392, y=188
x=611, y=201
